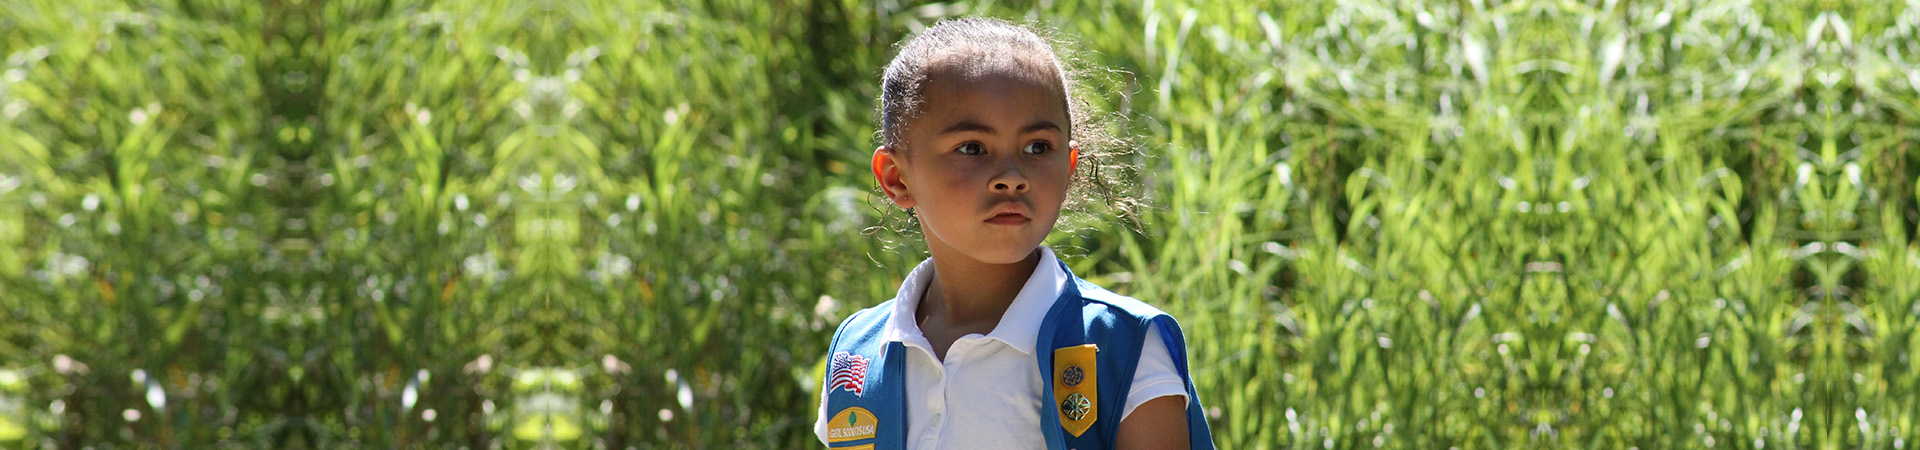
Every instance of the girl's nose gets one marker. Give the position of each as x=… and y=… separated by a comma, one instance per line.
x=1010, y=182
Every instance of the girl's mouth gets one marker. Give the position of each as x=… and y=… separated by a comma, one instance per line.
x=1009, y=219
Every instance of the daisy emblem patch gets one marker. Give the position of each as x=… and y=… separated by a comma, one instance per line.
x=1075, y=407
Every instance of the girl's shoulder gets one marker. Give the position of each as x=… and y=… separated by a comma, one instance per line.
x=1136, y=316
x=866, y=322
x=1094, y=293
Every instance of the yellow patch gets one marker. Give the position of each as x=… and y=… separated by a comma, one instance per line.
x=856, y=447
x=1075, y=389
x=851, y=424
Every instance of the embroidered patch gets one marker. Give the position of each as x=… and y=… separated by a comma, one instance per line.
x=851, y=424
x=848, y=371
x=1076, y=387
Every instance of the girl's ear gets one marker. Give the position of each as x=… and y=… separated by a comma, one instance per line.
x=886, y=170
x=1073, y=156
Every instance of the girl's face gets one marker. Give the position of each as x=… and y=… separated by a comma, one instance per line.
x=987, y=163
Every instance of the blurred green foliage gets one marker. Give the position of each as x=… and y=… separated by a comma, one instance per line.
x=608, y=224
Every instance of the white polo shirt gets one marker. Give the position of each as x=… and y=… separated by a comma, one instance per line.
x=986, y=394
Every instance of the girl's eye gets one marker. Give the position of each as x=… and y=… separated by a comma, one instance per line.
x=970, y=148
x=1038, y=148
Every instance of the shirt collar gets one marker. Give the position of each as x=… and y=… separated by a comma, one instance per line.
x=1019, y=327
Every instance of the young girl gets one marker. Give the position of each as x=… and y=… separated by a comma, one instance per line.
x=992, y=343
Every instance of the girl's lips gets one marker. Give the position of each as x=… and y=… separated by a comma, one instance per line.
x=1009, y=219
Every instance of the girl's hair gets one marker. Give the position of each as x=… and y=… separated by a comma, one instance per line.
x=1105, y=159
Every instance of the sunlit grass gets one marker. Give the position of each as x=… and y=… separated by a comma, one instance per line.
x=606, y=224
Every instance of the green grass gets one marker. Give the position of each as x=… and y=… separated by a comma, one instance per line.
x=1475, y=224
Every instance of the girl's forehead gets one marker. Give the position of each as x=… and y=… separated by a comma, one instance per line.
x=949, y=86
x=976, y=64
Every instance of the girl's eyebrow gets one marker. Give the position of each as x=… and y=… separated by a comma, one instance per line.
x=1041, y=125
x=966, y=126
x=969, y=125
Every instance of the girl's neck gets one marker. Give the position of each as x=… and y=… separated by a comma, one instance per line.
x=965, y=291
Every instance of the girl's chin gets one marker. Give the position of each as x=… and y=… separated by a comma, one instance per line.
x=1005, y=255
x=994, y=248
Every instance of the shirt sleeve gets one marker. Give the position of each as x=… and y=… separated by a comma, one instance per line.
x=1155, y=377
x=820, y=420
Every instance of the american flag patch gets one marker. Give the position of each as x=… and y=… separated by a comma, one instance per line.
x=849, y=371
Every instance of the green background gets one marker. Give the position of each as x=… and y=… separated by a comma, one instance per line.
x=608, y=224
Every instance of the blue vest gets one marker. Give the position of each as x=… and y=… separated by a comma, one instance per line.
x=866, y=374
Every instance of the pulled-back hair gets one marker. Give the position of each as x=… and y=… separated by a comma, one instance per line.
x=979, y=44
